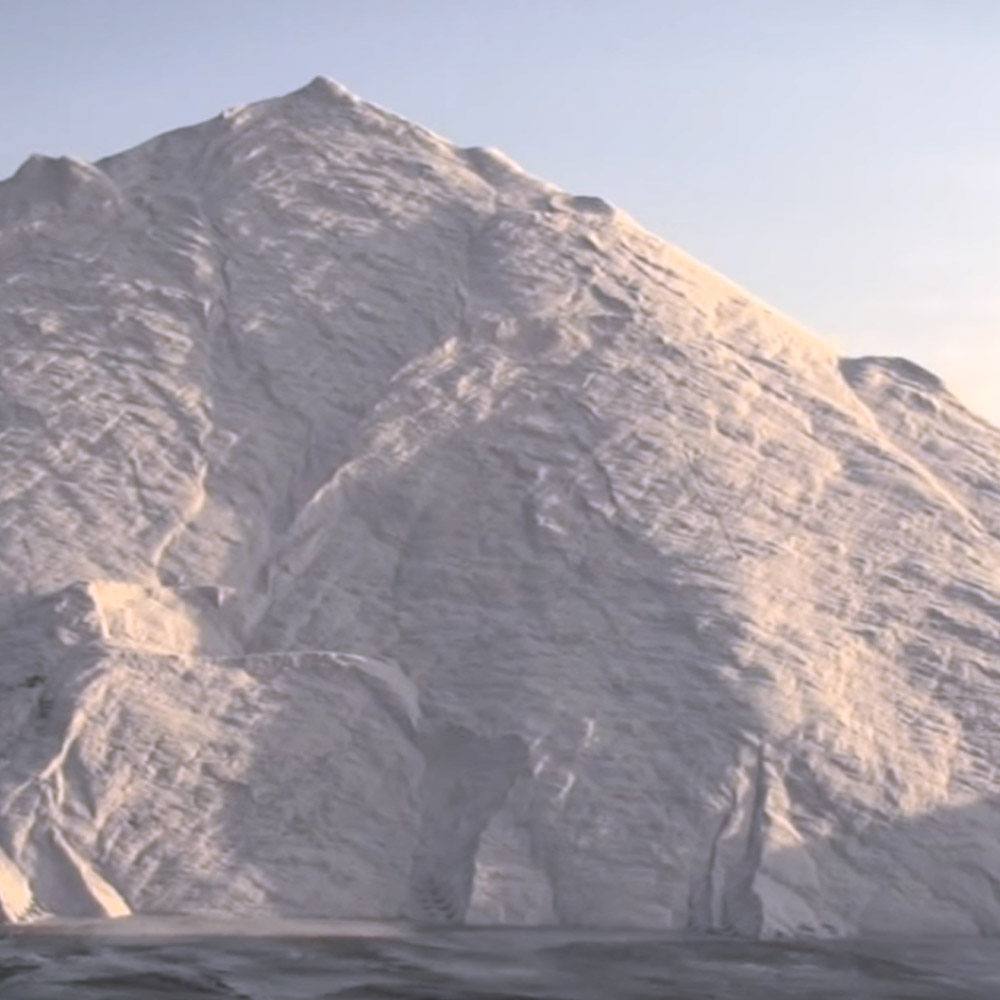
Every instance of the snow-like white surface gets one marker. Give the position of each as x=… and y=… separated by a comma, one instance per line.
x=385, y=533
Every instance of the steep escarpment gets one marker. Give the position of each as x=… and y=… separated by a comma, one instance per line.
x=384, y=532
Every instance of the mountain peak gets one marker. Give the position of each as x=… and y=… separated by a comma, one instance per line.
x=326, y=89
x=43, y=184
x=900, y=369
x=451, y=548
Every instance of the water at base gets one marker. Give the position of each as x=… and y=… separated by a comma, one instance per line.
x=182, y=960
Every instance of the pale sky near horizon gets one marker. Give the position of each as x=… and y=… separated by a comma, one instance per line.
x=839, y=159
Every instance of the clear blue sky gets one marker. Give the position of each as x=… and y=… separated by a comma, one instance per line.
x=840, y=159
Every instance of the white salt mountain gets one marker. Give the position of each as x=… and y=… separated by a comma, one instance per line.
x=386, y=533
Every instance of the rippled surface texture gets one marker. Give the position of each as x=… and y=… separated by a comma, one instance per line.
x=312, y=962
x=387, y=533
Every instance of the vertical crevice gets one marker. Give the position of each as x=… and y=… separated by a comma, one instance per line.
x=742, y=911
x=467, y=779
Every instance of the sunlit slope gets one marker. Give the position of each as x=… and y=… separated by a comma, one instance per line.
x=384, y=532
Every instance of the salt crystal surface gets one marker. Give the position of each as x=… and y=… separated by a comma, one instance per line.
x=387, y=534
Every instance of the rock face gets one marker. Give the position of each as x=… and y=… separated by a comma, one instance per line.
x=384, y=532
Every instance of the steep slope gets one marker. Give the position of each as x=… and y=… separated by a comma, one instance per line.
x=385, y=532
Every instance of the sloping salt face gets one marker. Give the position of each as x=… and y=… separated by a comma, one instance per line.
x=386, y=533
x=277, y=784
